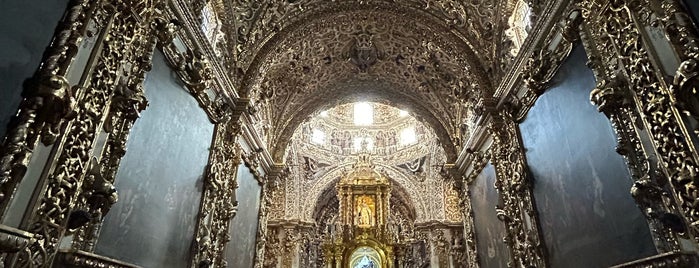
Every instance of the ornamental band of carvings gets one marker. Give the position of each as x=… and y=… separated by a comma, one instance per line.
x=471, y=251
x=541, y=68
x=613, y=97
x=98, y=193
x=193, y=67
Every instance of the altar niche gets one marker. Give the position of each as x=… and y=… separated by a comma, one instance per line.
x=364, y=195
x=365, y=211
x=361, y=238
x=365, y=257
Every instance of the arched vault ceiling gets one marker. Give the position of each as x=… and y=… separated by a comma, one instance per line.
x=360, y=53
x=473, y=23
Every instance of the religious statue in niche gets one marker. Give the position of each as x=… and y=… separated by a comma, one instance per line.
x=365, y=207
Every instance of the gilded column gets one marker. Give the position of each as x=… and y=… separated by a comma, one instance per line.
x=518, y=210
x=48, y=100
x=52, y=212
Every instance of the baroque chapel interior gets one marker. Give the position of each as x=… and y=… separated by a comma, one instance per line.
x=349, y=134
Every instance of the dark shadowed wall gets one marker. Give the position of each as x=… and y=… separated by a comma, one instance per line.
x=160, y=178
x=693, y=6
x=492, y=251
x=240, y=252
x=26, y=28
x=581, y=184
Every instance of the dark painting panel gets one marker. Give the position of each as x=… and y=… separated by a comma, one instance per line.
x=493, y=252
x=693, y=6
x=581, y=184
x=160, y=178
x=240, y=252
x=26, y=28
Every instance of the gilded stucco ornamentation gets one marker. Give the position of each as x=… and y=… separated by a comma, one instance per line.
x=48, y=100
x=653, y=101
x=219, y=204
x=256, y=24
x=98, y=193
x=287, y=75
x=469, y=233
x=613, y=98
x=298, y=72
x=515, y=188
x=55, y=211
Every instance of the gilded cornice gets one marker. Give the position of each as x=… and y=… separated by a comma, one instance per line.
x=537, y=40
x=194, y=38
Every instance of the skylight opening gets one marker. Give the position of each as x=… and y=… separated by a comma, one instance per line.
x=407, y=136
x=318, y=136
x=363, y=114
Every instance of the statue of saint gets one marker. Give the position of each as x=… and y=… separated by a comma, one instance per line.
x=364, y=215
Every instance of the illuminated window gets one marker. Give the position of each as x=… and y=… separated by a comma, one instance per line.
x=363, y=143
x=363, y=114
x=318, y=136
x=402, y=113
x=407, y=136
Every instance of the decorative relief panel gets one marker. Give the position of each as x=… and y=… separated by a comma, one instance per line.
x=219, y=204
x=48, y=101
x=514, y=185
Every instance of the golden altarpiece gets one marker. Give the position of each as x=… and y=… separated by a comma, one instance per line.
x=257, y=65
x=361, y=236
